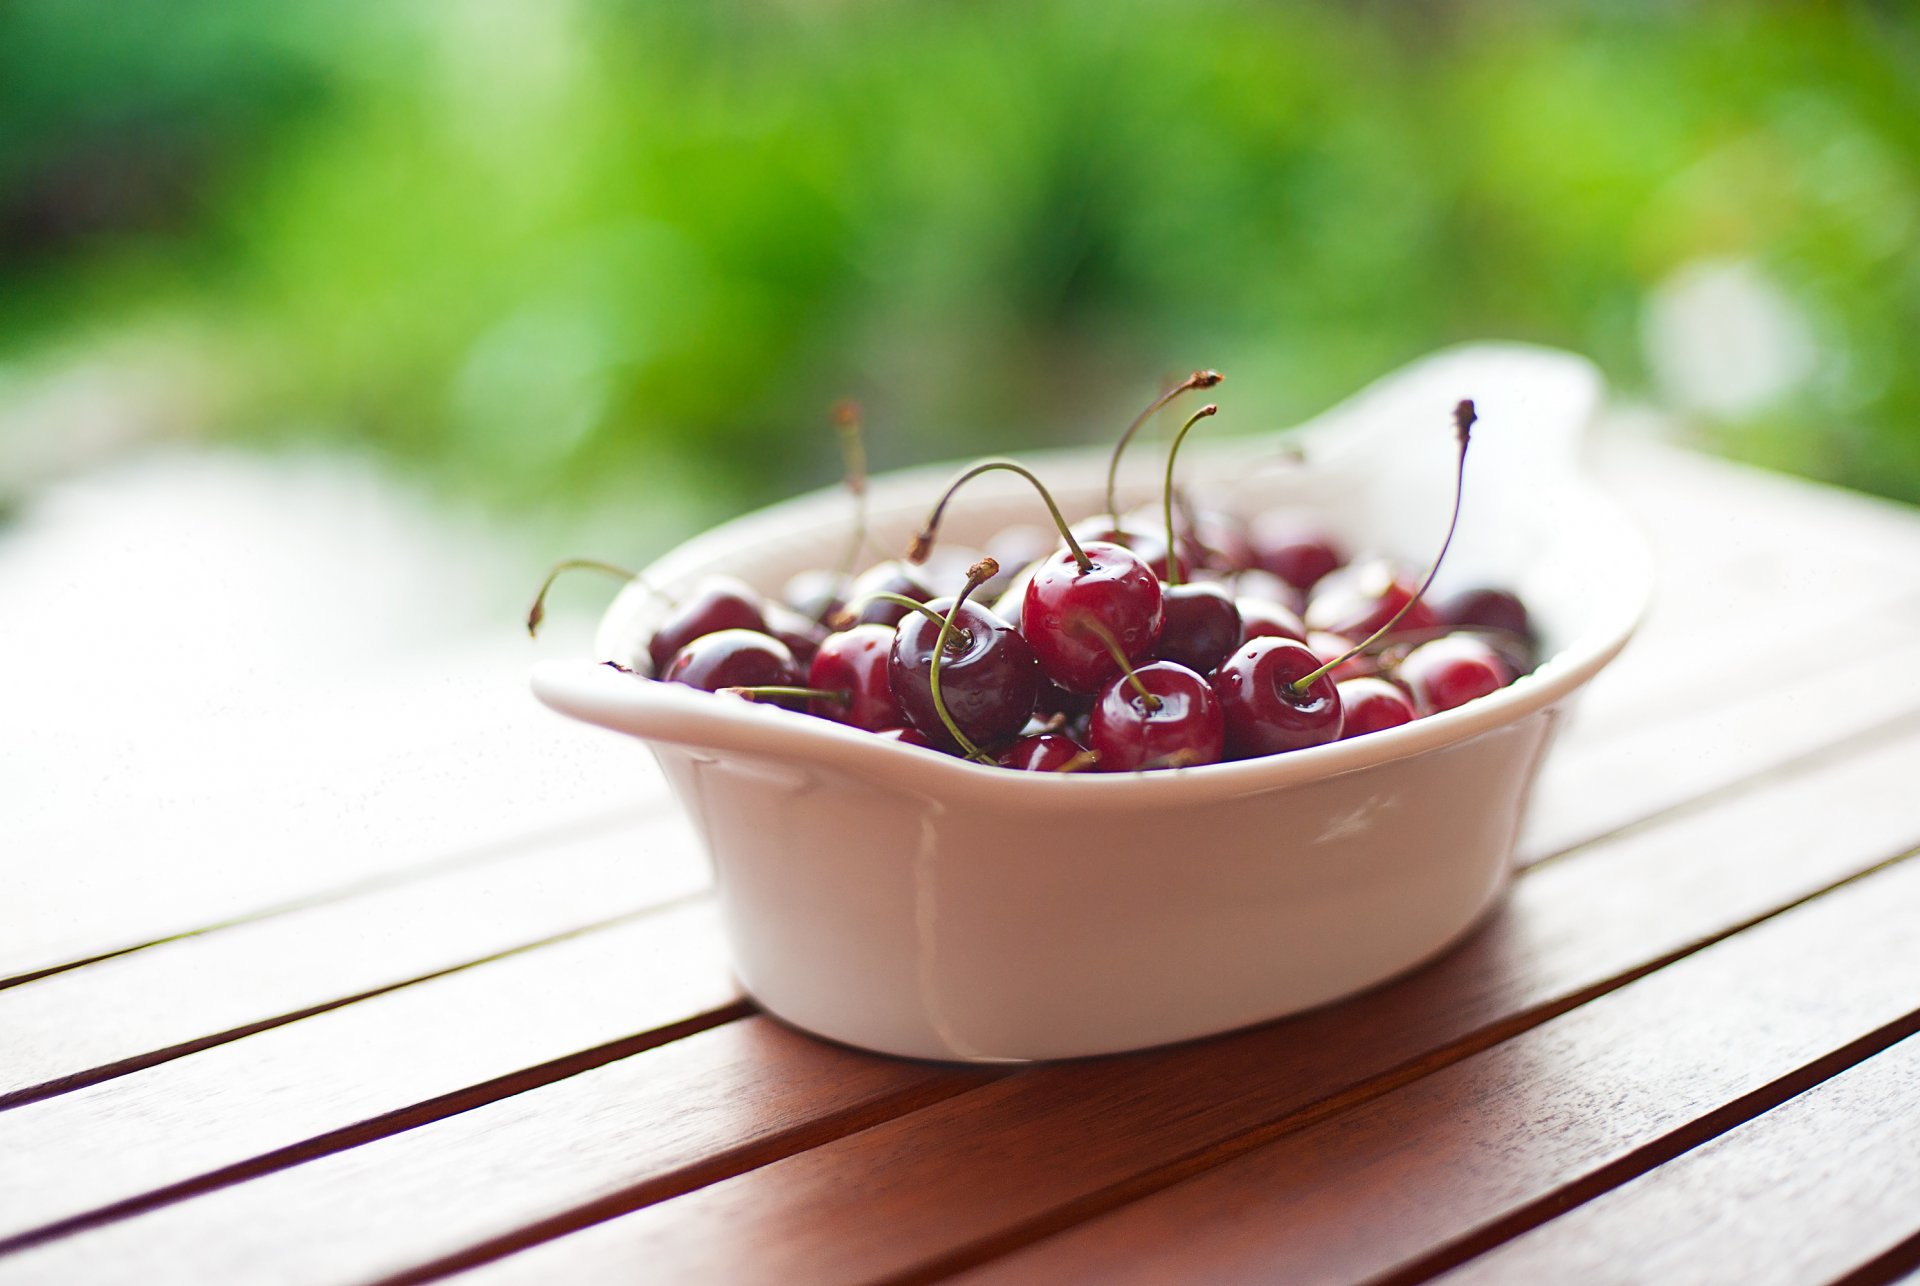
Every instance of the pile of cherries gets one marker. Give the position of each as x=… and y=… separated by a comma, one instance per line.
x=1169, y=638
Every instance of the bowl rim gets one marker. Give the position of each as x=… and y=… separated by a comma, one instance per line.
x=661, y=712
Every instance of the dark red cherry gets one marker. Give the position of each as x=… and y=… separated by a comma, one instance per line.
x=1066, y=610
x=801, y=634
x=1452, y=671
x=1261, y=619
x=735, y=659
x=908, y=737
x=717, y=603
x=1264, y=713
x=855, y=661
x=1293, y=548
x=890, y=577
x=1358, y=600
x=1049, y=752
x=1199, y=625
x=988, y=677
x=1496, y=609
x=1330, y=646
x=1371, y=705
x=1180, y=727
x=1054, y=699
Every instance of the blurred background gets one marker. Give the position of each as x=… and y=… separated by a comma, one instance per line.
x=324, y=328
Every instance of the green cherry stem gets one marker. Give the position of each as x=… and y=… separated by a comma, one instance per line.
x=1463, y=418
x=847, y=615
x=853, y=455
x=1119, y=655
x=1173, y=556
x=538, y=612
x=838, y=695
x=977, y=575
x=923, y=542
x=1199, y=379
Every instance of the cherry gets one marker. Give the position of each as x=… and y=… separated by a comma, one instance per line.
x=1200, y=625
x=1496, y=609
x=1148, y=546
x=735, y=658
x=856, y=662
x=908, y=737
x=890, y=577
x=1371, y=705
x=1359, y=600
x=1260, y=619
x=1076, y=599
x=717, y=603
x=1056, y=700
x=1294, y=549
x=969, y=679
x=1452, y=671
x=1276, y=697
x=801, y=633
x=1339, y=649
x=1049, y=752
x=1162, y=715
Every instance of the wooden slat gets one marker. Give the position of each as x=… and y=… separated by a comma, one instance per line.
x=975, y=1167
x=1593, y=790
x=135, y=1010
x=641, y=1129
x=1419, y=1179
x=1808, y=1192
x=368, y=1069
x=141, y=833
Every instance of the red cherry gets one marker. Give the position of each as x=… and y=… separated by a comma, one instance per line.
x=908, y=737
x=988, y=677
x=1180, y=726
x=885, y=578
x=1067, y=608
x=1260, y=619
x=1452, y=671
x=1371, y=705
x=1329, y=646
x=856, y=661
x=1265, y=713
x=1148, y=544
x=1496, y=609
x=1358, y=600
x=1293, y=548
x=1200, y=625
x=1049, y=752
x=801, y=634
x=735, y=659
x=717, y=603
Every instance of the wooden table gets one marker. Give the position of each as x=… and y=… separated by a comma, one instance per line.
x=1681, y=1052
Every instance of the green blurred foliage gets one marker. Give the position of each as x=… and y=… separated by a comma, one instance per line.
x=582, y=249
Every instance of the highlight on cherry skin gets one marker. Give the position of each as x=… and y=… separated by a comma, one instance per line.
x=1104, y=642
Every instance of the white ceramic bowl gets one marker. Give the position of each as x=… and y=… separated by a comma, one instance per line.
x=917, y=904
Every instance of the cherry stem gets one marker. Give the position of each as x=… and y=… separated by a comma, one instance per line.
x=1119, y=655
x=1173, y=555
x=977, y=575
x=853, y=455
x=838, y=695
x=538, y=612
x=1199, y=379
x=1463, y=418
x=1080, y=762
x=923, y=543
x=849, y=614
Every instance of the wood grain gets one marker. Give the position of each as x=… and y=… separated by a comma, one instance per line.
x=372, y=1068
x=1422, y=1177
x=81, y=1026
x=995, y=1163
x=643, y=1128
x=1808, y=1192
